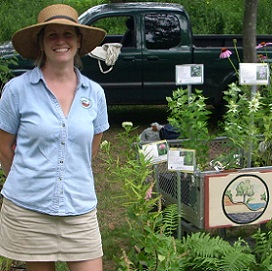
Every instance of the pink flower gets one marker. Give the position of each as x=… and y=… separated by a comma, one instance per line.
x=225, y=53
x=263, y=44
x=261, y=58
x=148, y=194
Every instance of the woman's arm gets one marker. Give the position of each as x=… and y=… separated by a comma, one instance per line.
x=7, y=142
x=96, y=142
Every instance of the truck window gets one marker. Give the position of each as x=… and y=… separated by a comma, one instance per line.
x=162, y=31
x=119, y=29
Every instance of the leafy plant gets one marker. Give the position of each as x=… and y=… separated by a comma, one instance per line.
x=5, y=264
x=152, y=228
x=247, y=122
x=5, y=72
x=262, y=250
x=214, y=253
x=189, y=115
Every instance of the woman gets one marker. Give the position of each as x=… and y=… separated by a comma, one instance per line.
x=55, y=117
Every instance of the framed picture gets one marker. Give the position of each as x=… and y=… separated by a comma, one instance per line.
x=237, y=198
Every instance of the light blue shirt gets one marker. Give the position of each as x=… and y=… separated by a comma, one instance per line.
x=51, y=170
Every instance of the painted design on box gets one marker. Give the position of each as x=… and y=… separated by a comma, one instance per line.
x=245, y=199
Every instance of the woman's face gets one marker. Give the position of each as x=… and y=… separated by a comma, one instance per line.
x=60, y=43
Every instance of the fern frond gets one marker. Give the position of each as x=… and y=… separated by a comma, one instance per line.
x=263, y=247
x=237, y=261
x=242, y=245
x=214, y=253
x=170, y=219
x=202, y=244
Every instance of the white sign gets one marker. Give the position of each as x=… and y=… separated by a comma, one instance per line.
x=181, y=160
x=189, y=74
x=253, y=74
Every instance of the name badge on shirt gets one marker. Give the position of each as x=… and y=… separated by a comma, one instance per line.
x=86, y=103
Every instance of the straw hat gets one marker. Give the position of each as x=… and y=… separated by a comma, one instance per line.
x=25, y=40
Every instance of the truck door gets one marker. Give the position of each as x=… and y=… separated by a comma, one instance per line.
x=167, y=43
x=123, y=85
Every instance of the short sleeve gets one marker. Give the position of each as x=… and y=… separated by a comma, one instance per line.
x=101, y=123
x=9, y=112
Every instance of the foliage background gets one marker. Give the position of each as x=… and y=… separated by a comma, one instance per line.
x=207, y=16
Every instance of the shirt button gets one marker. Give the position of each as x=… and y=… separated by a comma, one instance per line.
x=63, y=124
x=60, y=179
x=62, y=143
x=61, y=161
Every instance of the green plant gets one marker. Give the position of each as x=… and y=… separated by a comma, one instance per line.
x=2, y=177
x=151, y=228
x=5, y=264
x=189, y=115
x=214, y=253
x=247, y=121
x=243, y=118
x=263, y=250
x=5, y=72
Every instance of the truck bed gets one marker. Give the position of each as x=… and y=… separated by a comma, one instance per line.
x=225, y=40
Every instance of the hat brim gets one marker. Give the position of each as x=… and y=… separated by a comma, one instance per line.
x=25, y=40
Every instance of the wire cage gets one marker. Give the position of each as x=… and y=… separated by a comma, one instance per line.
x=187, y=187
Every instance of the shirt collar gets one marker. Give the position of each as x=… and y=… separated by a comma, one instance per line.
x=37, y=75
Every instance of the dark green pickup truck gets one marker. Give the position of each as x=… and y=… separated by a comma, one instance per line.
x=156, y=37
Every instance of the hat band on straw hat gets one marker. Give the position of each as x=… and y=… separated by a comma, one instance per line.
x=60, y=17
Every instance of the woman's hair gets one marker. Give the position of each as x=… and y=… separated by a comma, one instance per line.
x=41, y=59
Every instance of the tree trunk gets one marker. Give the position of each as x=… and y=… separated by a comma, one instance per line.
x=249, y=31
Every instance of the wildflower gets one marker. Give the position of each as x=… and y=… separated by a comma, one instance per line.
x=127, y=124
x=263, y=44
x=233, y=107
x=225, y=53
x=148, y=194
x=260, y=45
x=234, y=89
x=254, y=104
x=261, y=58
x=104, y=144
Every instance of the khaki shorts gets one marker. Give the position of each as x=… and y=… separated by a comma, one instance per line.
x=31, y=236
